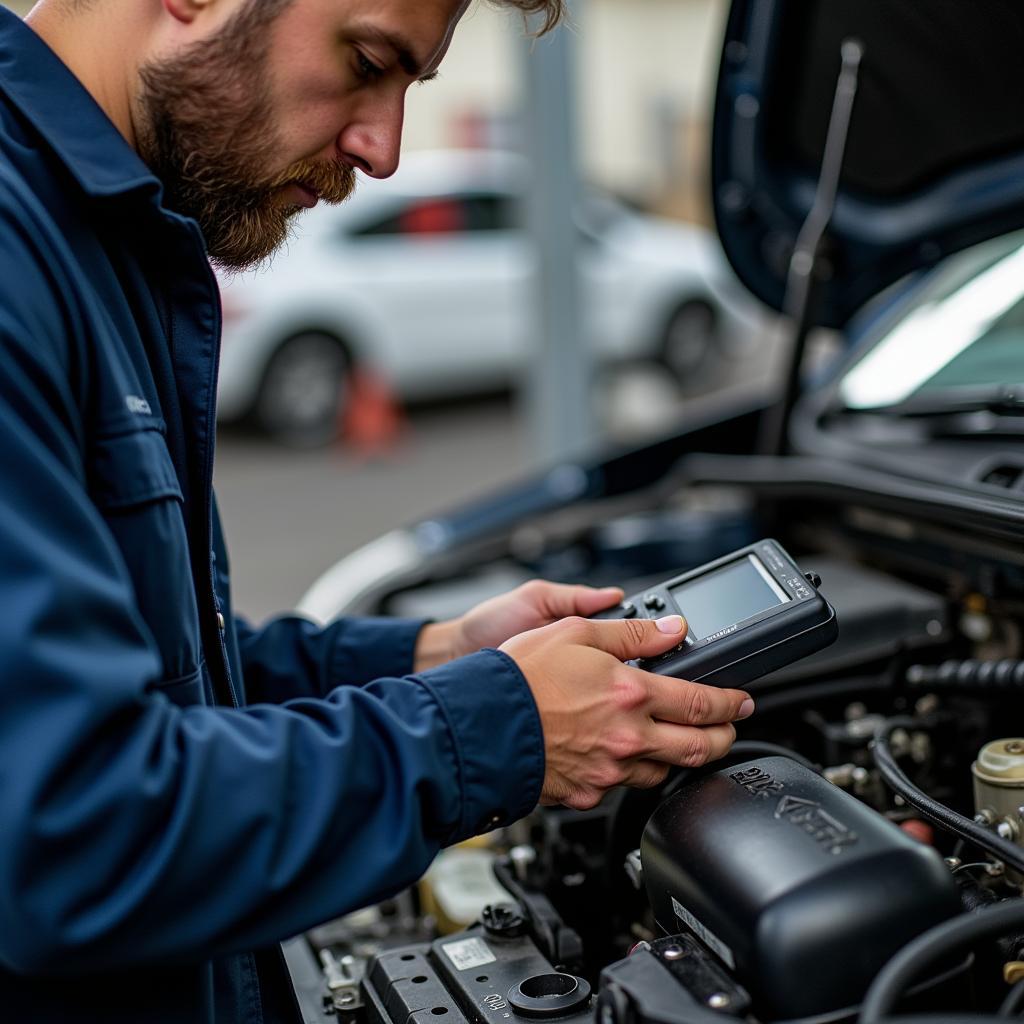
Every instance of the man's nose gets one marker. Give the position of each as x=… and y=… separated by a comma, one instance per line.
x=373, y=142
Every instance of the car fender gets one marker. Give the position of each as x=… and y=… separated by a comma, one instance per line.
x=250, y=341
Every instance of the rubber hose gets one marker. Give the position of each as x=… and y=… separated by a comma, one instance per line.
x=1013, y=1002
x=944, y=938
x=1007, y=674
x=1009, y=853
x=755, y=748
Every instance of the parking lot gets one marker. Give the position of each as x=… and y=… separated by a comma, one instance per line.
x=290, y=514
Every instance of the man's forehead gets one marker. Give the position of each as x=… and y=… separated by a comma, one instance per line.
x=419, y=31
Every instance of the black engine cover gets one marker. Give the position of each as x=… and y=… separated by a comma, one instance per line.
x=800, y=889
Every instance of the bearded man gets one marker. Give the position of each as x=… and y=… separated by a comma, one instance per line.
x=179, y=790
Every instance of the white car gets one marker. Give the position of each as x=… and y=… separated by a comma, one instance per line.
x=425, y=279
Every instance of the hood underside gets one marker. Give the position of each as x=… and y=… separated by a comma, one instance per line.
x=934, y=158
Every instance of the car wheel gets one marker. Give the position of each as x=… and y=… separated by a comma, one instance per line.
x=691, y=343
x=304, y=390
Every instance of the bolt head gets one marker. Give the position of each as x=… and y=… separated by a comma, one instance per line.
x=673, y=952
x=718, y=1001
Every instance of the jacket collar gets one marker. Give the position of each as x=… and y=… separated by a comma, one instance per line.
x=66, y=116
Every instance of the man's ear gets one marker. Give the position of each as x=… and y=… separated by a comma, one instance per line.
x=185, y=11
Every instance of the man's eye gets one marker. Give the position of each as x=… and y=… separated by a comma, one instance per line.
x=367, y=70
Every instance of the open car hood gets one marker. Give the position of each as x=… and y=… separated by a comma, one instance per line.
x=934, y=160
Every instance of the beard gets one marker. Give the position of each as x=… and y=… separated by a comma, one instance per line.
x=205, y=128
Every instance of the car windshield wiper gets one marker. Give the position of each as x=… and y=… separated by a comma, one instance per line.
x=999, y=399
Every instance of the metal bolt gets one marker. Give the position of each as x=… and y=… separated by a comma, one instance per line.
x=344, y=998
x=718, y=1001
x=522, y=857
x=1005, y=830
x=673, y=952
x=1015, y=747
x=953, y=862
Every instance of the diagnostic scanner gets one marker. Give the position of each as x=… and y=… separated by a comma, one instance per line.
x=748, y=613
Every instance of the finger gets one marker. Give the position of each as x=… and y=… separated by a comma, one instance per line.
x=685, y=703
x=689, y=746
x=557, y=600
x=632, y=638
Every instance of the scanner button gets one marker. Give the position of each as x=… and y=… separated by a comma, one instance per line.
x=653, y=603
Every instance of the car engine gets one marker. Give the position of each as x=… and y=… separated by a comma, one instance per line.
x=860, y=851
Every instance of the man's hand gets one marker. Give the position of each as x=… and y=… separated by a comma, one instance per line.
x=608, y=724
x=491, y=623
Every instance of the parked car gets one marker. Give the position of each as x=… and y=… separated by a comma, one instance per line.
x=859, y=854
x=426, y=278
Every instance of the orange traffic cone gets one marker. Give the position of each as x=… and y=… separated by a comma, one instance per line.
x=371, y=419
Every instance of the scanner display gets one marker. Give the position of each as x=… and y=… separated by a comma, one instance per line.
x=726, y=596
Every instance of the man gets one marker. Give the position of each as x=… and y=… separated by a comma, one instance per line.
x=178, y=789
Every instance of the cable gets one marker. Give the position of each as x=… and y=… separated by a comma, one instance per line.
x=1009, y=853
x=945, y=938
x=1014, y=1000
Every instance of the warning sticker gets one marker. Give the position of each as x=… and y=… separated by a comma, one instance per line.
x=708, y=937
x=467, y=953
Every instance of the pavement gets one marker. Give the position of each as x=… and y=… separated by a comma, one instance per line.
x=289, y=515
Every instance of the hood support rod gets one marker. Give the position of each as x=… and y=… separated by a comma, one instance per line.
x=806, y=264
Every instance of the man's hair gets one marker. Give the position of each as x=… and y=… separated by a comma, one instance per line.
x=553, y=11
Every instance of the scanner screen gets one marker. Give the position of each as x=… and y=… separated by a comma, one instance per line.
x=727, y=596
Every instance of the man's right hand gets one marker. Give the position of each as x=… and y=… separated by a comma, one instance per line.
x=608, y=724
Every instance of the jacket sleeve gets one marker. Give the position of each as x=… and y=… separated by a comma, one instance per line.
x=292, y=657
x=134, y=830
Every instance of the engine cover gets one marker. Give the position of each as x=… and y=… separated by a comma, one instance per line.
x=800, y=889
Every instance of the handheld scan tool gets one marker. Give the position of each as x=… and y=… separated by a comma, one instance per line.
x=747, y=613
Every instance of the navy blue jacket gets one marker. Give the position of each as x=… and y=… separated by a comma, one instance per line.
x=178, y=789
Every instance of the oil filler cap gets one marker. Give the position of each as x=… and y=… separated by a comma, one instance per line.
x=549, y=995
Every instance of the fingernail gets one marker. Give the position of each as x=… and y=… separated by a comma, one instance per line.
x=746, y=709
x=670, y=624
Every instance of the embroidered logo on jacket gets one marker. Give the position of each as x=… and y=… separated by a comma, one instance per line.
x=137, y=405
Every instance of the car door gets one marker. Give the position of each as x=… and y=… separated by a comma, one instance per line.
x=446, y=276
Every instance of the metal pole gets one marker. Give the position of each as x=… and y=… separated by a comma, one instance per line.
x=559, y=383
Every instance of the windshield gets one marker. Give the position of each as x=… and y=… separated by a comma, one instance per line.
x=965, y=332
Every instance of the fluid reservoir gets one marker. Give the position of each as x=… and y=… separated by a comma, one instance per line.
x=999, y=787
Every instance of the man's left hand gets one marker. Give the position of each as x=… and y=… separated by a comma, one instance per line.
x=492, y=622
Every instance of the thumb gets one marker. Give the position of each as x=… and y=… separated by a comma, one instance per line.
x=636, y=638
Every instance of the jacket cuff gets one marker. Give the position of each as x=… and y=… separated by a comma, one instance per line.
x=372, y=648
x=497, y=737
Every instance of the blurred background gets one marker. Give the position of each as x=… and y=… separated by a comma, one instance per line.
x=540, y=278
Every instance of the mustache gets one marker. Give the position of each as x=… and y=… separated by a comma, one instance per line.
x=333, y=180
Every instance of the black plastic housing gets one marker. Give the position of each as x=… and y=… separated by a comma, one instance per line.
x=800, y=889
x=472, y=977
x=746, y=648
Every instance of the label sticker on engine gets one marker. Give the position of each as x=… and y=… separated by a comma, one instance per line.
x=708, y=937
x=467, y=953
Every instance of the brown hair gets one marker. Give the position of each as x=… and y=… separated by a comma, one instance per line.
x=553, y=10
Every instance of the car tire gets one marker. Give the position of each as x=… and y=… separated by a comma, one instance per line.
x=304, y=390
x=691, y=344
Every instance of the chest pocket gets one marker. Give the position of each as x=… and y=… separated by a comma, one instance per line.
x=136, y=489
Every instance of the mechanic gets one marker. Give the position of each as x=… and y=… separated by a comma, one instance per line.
x=177, y=788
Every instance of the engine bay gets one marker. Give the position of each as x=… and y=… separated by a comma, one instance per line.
x=875, y=797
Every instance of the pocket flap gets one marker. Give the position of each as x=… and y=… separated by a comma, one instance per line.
x=134, y=468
